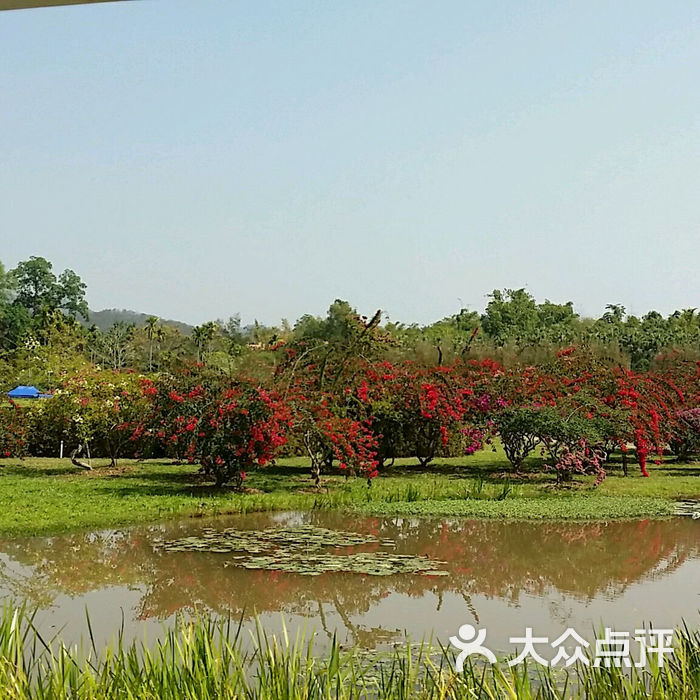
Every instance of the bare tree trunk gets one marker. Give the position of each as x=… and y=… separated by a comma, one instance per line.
x=315, y=461
x=316, y=473
x=74, y=458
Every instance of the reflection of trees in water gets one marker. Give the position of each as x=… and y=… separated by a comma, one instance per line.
x=505, y=560
x=497, y=559
x=78, y=563
x=20, y=583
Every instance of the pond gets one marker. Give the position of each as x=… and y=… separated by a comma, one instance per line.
x=502, y=576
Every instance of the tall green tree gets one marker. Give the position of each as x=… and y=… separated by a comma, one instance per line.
x=510, y=315
x=8, y=320
x=37, y=290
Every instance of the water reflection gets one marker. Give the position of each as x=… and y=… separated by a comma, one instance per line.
x=500, y=574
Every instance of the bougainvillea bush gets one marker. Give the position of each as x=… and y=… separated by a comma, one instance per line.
x=420, y=412
x=13, y=440
x=240, y=429
x=176, y=401
x=229, y=427
x=579, y=458
x=327, y=430
x=348, y=411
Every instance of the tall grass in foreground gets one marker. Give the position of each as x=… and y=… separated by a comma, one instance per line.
x=206, y=659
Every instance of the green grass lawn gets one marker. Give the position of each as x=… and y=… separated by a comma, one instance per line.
x=50, y=495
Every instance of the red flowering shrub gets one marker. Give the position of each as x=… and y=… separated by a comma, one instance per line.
x=623, y=406
x=229, y=427
x=650, y=404
x=328, y=431
x=13, y=440
x=241, y=429
x=351, y=443
x=176, y=403
x=419, y=412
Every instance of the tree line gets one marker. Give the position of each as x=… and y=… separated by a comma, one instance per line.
x=45, y=328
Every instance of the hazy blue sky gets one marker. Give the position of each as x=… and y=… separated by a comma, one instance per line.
x=202, y=158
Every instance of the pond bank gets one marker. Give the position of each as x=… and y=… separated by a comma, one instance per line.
x=43, y=496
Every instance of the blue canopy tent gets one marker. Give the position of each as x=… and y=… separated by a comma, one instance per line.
x=26, y=392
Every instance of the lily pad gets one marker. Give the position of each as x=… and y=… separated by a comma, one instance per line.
x=366, y=563
x=299, y=550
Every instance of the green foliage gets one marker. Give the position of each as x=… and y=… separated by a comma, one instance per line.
x=113, y=349
x=94, y=409
x=514, y=315
x=522, y=429
x=15, y=321
x=554, y=508
x=6, y=285
x=203, y=337
x=518, y=429
x=37, y=289
x=556, y=431
x=514, y=328
x=31, y=296
x=336, y=327
x=45, y=363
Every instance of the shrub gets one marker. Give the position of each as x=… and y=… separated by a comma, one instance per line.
x=685, y=441
x=579, y=458
x=92, y=410
x=239, y=430
x=518, y=429
x=13, y=442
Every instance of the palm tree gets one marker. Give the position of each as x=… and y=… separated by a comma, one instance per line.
x=153, y=331
x=203, y=336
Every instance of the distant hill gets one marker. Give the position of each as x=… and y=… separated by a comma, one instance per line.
x=106, y=318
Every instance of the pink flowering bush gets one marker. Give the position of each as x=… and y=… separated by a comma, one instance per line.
x=580, y=458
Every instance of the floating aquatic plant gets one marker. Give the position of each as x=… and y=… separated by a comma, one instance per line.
x=299, y=550
x=367, y=563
